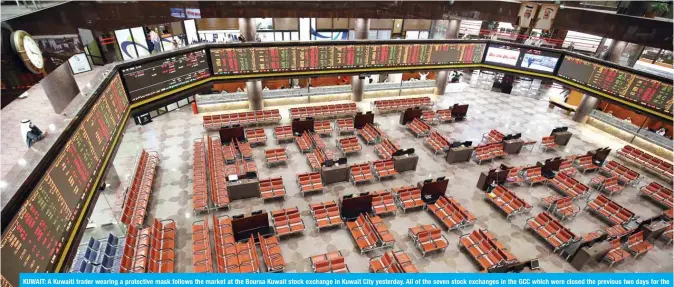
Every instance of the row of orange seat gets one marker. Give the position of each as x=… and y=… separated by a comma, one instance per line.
x=318, y=157
x=326, y=214
x=334, y=110
x=507, y=201
x=610, y=210
x=659, y=193
x=310, y=182
x=201, y=247
x=569, y=186
x=419, y=128
x=370, y=233
x=548, y=143
x=384, y=169
x=256, y=136
x=451, y=213
x=242, y=118
x=625, y=175
x=553, y=232
x=360, y=173
x=304, y=142
x=272, y=188
x=332, y=262
x=370, y=134
x=437, y=142
x=240, y=168
x=283, y=133
x=607, y=184
x=386, y=148
x=344, y=126
x=484, y=248
x=348, y=145
x=322, y=127
x=402, y=104
x=216, y=164
x=138, y=196
x=428, y=238
x=585, y=163
x=383, y=203
x=150, y=249
x=200, y=180
x=648, y=162
x=275, y=156
x=287, y=221
x=233, y=256
x=488, y=152
x=635, y=244
x=393, y=262
x=493, y=136
x=407, y=197
x=428, y=117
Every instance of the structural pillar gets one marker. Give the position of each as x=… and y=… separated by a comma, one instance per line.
x=441, y=82
x=441, y=77
x=247, y=29
x=615, y=51
x=452, y=31
x=587, y=104
x=254, y=92
x=361, y=32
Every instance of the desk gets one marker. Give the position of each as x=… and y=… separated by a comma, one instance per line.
x=654, y=230
x=590, y=254
x=243, y=188
x=562, y=138
x=405, y=162
x=460, y=154
x=335, y=173
x=513, y=146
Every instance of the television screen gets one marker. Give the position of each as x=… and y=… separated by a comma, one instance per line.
x=540, y=61
x=503, y=55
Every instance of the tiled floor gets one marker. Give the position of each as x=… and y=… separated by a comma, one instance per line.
x=172, y=135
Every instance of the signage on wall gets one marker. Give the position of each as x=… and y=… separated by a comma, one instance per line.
x=178, y=12
x=546, y=16
x=526, y=14
x=79, y=63
x=193, y=13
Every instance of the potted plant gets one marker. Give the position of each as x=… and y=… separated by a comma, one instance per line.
x=657, y=8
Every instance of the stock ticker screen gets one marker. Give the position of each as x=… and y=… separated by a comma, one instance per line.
x=646, y=92
x=228, y=61
x=36, y=237
x=155, y=77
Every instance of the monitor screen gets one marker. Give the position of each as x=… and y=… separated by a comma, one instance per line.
x=502, y=54
x=629, y=86
x=539, y=60
x=162, y=75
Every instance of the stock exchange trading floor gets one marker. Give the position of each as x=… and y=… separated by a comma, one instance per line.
x=172, y=136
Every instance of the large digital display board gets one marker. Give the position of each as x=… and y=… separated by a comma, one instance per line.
x=522, y=58
x=155, y=77
x=37, y=234
x=641, y=90
x=228, y=61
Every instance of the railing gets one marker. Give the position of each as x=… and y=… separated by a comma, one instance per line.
x=311, y=91
x=642, y=133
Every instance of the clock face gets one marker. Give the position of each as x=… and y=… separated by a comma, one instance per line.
x=33, y=52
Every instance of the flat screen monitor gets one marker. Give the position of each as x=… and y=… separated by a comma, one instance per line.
x=456, y=144
x=502, y=54
x=341, y=160
x=348, y=196
x=441, y=178
x=428, y=181
x=468, y=143
x=538, y=60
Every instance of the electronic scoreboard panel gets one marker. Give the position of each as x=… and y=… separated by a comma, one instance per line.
x=158, y=76
x=35, y=237
x=638, y=89
x=245, y=60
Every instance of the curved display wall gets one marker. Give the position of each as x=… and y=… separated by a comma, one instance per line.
x=42, y=219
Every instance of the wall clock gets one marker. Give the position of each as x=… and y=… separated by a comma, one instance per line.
x=28, y=50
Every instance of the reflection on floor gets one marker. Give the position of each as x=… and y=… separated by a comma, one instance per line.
x=172, y=135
